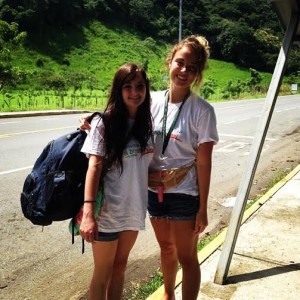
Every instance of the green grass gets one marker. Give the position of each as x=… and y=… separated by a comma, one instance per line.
x=90, y=54
x=101, y=51
x=144, y=290
x=222, y=72
x=24, y=100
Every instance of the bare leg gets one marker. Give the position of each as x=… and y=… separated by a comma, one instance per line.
x=186, y=245
x=104, y=255
x=116, y=283
x=169, y=262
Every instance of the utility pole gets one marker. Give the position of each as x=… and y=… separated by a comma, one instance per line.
x=180, y=20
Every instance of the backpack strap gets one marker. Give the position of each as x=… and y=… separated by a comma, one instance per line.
x=82, y=247
x=73, y=235
x=73, y=230
x=96, y=113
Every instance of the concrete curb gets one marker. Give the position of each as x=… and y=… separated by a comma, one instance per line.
x=210, y=248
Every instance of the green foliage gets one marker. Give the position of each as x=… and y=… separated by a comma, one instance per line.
x=52, y=99
x=85, y=80
x=294, y=78
x=234, y=89
x=83, y=59
x=238, y=43
x=10, y=39
x=245, y=32
x=141, y=12
x=94, y=61
x=209, y=88
x=82, y=75
x=255, y=79
x=293, y=60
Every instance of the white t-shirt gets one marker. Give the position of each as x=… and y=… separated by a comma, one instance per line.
x=195, y=125
x=125, y=196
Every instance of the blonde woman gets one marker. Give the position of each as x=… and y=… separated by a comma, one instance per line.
x=179, y=179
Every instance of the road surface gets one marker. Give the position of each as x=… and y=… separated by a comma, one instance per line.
x=41, y=263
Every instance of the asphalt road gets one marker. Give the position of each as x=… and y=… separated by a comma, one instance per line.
x=28, y=253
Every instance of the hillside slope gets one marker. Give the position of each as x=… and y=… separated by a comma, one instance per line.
x=94, y=51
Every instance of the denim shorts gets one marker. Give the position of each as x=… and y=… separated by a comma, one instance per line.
x=175, y=206
x=107, y=236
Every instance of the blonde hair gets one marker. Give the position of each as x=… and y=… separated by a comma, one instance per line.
x=200, y=46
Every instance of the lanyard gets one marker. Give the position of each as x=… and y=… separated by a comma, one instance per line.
x=166, y=136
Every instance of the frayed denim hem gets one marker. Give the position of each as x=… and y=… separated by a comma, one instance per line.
x=181, y=218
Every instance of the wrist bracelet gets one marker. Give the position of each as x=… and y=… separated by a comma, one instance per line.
x=89, y=201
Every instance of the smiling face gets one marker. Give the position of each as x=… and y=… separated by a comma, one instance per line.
x=183, y=68
x=134, y=93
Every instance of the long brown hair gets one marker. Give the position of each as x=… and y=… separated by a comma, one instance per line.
x=115, y=116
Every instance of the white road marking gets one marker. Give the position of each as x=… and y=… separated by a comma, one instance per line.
x=240, y=120
x=249, y=103
x=232, y=147
x=15, y=170
x=286, y=109
x=12, y=122
x=7, y=135
x=243, y=136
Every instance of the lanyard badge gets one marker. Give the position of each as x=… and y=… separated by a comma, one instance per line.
x=166, y=137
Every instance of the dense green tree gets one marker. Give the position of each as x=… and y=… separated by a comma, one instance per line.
x=33, y=15
x=237, y=29
x=293, y=61
x=237, y=43
x=97, y=8
x=141, y=12
x=10, y=38
x=194, y=18
x=245, y=32
x=267, y=48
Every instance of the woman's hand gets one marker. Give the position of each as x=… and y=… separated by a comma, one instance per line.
x=201, y=222
x=88, y=227
x=83, y=123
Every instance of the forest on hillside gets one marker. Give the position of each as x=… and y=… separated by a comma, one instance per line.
x=244, y=32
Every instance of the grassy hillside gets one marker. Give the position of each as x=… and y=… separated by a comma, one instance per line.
x=84, y=60
x=93, y=49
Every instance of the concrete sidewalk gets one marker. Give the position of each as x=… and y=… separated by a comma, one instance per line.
x=266, y=261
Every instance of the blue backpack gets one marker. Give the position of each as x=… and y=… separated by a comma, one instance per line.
x=54, y=190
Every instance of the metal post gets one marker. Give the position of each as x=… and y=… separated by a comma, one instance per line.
x=247, y=179
x=180, y=20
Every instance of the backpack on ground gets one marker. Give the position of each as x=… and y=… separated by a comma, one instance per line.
x=54, y=190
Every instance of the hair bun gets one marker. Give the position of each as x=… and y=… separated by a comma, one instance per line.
x=204, y=43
